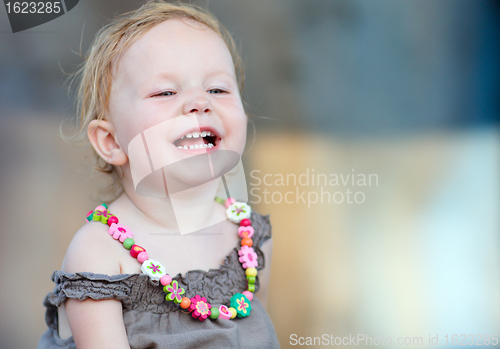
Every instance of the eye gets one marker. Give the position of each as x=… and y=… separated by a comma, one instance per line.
x=217, y=91
x=165, y=93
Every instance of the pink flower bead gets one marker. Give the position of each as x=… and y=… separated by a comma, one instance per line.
x=119, y=231
x=229, y=202
x=248, y=257
x=200, y=308
x=248, y=294
x=142, y=257
x=166, y=280
x=245, y=232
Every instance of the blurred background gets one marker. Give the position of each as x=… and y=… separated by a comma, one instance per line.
x=405, y=91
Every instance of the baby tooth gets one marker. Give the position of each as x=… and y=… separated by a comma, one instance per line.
x=185, y=147
x=180, y=147
x=209, y=133
x=189, y=135
x=203, y=134
x=210, y=145
x=205, y=145
x=196, y=146
x=191, y=147
x=196, y=135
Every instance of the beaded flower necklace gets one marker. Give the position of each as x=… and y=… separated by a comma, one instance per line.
x=199, y=307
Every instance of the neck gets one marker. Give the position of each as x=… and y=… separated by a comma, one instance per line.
x=183, y=212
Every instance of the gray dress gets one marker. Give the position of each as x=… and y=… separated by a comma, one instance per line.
x=152, y=322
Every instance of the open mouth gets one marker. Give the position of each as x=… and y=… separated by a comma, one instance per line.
x=197, y=140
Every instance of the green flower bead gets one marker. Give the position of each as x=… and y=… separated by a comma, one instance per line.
x=174, y=291
x=104, y=219
x=128, y=243
x=169, y=297
x=214, y=313
x=242, y=305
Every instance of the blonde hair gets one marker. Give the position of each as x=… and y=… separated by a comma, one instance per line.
x=95, y=72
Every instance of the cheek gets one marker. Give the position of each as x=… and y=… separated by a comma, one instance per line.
x=122, y=118
x=130, y=123
x=126, y=130
x=238, y=119
x=239, y=133
x=239, y=125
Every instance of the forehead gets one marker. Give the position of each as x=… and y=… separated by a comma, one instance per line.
x=174, y=46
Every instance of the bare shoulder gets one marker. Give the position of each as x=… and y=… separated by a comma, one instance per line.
x=92, y=250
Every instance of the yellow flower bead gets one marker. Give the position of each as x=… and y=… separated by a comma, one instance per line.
x=233, y=312
x=251, y=272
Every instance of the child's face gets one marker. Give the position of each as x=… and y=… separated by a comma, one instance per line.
x=183, y=76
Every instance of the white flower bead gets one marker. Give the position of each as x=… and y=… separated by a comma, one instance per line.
x=155, y=270
x=238, y=211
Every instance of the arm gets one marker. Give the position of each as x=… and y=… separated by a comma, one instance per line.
x=94, y=324
x=97, y=324
x=264, y=274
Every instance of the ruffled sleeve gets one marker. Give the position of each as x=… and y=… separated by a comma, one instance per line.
x=85, y=285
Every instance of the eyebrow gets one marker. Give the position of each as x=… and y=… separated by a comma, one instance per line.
x=144, y=85
x=161, y=76
x=220, y=72
x=167, y=75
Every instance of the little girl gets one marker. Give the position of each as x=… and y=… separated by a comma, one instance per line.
x=164, y=265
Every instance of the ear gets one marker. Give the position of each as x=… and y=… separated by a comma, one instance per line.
x=101, y=135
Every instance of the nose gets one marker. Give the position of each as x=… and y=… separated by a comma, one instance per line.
x=197, y=104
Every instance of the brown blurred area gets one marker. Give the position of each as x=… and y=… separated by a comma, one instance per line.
x=371, y=268
x=405, y=91
x=44, y=185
